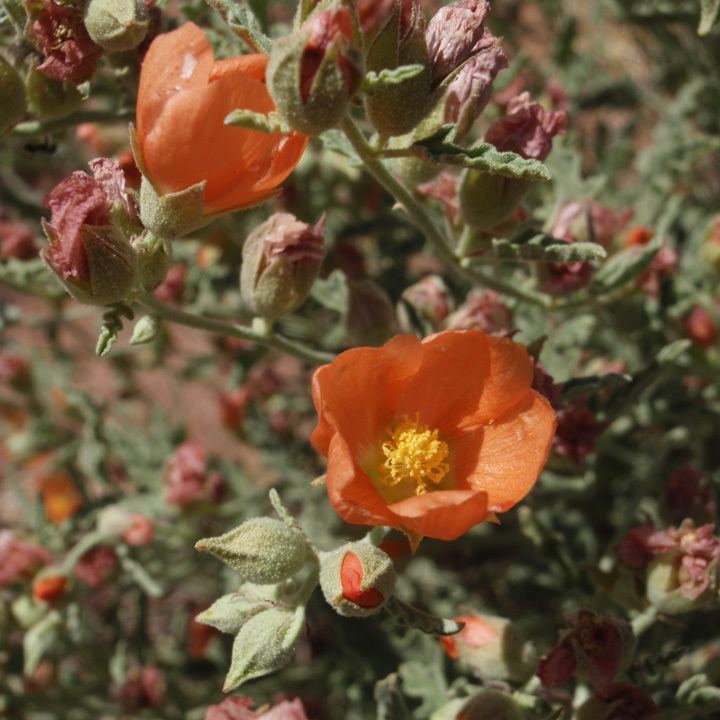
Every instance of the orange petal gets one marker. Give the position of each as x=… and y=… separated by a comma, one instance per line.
x=443, y=514
x=450, y=380
x=176, y=61
x=509, y=377
x=513, y=451
x=350, y=491
x=356, y=393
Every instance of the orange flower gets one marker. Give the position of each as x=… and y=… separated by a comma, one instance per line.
x=431, y=437
x=60, y=496
x=183, y=99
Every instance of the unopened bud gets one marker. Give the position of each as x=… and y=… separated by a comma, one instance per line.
x=494, y=647
x=173, y=214
x=486, y=200
x=49, y=588
x=313, y=73
x=700, y=327
x=371, y=316
x=425, y=305
x=154, y=256
x=490, y=704
x=281, y=259
x=262, y=550
x=665, y=589
x=454, y=34
x=395, y=109
x=12, y=91
x=48, y=99
x=357, y=579
x=116, y=25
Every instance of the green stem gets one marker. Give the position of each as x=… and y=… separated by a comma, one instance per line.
x=274, y=341
x=422, y=220
x=39, y=127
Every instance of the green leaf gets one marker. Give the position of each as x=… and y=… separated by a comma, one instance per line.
x=625, y=266
x=336, y=141
x=440, y=147
x=390, y=700
x=332, y=292
x=389, y=77
x=242, y=21
x=709, y=10
x=39, y=639
x=430, y=624
x=265, y=643
x=230, y=612
x=542, y=247
x=584, y=386
x=270, y=123
x=145, y=330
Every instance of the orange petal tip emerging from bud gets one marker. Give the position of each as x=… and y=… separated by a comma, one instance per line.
x=183, y=100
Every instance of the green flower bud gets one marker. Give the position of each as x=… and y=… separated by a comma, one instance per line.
x=27, y=611
x=264, y=644
x=173, y=214
x=262, y=550
x=313, y=73
x=486, y=200
x=395, y=109
x=48, y=99
x=12, y=91
x=116, y=25
x=110, y=270
x=230, y=612
x=490, y=704
x=357, y=579
x=154, y=254
x=281, y=259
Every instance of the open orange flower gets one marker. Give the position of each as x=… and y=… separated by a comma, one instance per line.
x=183, y=99
x=431, y=437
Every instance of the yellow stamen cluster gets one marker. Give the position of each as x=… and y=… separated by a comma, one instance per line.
x=414, y=453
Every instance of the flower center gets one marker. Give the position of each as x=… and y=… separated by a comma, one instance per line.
x=414, y=453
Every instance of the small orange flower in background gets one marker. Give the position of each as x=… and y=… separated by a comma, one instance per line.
x=431, y=437
x=183, y=99
x=60, y=497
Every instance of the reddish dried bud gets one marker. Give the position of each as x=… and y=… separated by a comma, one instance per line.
x=527, y=129
x=589, y=221
x=558, y=666
x=19, y=559
x=96, y=566
x=482, y=310
x=325, y=31
x=233, y=405
x=143, y=688
x=688, y=494
x=577, y=432
x=89, y=250
x=371, y=315
x=633, y=549
x=699, y=326
x=232, y=708
x=187, y=479
x=444, y=189
x=544, y=383
x=17, y=241
x=60, y=34
x=141, y=531
x=469, y=91
x=428, y=302
x=596, y=648
x=622, y=701
x=454, y=34
x=663, y=264
x=172, y=288
x=281, y=259
x=15, y=371
x=48, y=589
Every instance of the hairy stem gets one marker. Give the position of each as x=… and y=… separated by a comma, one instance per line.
x=273, y=340
x=424, y=222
